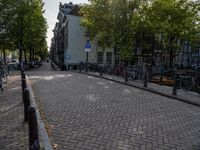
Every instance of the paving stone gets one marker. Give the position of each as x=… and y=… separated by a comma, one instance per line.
x=83, y=107
x=13, y=130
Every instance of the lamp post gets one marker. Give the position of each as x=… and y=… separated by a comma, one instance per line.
x=87, y=56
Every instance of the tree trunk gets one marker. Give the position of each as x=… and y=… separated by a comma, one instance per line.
x=136, y=47
x=20, y=51
x=33, y=58
x=153, y=46
x=30, y=54
x=171, y=52
x=4, y=50
x=25, y=55
x=170, y=60
x=21, y=31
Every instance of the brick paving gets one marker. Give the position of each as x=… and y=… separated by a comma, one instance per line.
x=13, y=131
x=166, y=90
x=86, y=113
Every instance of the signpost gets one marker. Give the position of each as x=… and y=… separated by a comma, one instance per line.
x=87, y=49
x=87, y=46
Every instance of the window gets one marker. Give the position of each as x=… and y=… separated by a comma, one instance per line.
x=109, y=57
x=100, y=58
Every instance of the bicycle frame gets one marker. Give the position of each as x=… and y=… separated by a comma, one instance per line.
x=187, y=83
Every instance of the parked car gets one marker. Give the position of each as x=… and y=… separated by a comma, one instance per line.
x=38, y=64
x=13, y=64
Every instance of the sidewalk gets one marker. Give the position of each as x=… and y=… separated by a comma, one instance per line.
x=188, y=97
x=13, y=130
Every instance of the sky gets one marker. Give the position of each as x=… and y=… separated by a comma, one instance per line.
x=51, y=10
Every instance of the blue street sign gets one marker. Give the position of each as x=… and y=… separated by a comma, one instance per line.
x=87, y=45
x=68, y=56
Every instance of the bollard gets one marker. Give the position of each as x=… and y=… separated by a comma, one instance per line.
x=22, y=73
x=26, y=97
x=79, y=68
x=145, y=78
x=23, y=85
x=161, y=79
x=33, y=130
x=174, y=90
x=86, y=68
x=101, y=72
x=126, y=75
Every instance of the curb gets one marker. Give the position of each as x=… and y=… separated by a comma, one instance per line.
x=44, y=135
x=143, y=88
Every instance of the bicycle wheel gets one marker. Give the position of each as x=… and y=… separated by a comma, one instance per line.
x=187, y=83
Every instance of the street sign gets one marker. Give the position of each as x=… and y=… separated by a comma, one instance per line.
x=68, y=57
x=87, y=46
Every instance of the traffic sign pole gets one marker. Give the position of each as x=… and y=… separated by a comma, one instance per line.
x=87, y=49
x=87, y=57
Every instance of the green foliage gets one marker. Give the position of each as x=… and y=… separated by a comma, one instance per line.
x=97, y=21
x=110, y=23
x=25, y=25
x=173, y=22
x=120, y=22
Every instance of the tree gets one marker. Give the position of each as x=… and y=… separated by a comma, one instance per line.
x=123, y=31
x=111, y=23
x=172, y=22
x=5, y=16
x=123, y=23
x=26, y=26
x=35, y=36
x=97, y=20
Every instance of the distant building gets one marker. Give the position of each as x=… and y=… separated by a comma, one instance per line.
x=188, y=56
x=68, y=43
x=154, y=54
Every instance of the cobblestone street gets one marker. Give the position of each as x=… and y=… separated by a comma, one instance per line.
x=85, y=112
x=100, y=75
x=13, y=130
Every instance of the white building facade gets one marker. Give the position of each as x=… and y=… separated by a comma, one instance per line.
x=69, y=41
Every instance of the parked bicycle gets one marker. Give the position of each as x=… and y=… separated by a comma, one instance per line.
x=135, y=72
x=189, y=83
x=109, y=69
x=3, y=74
x=1, y=79
x=88, y=67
